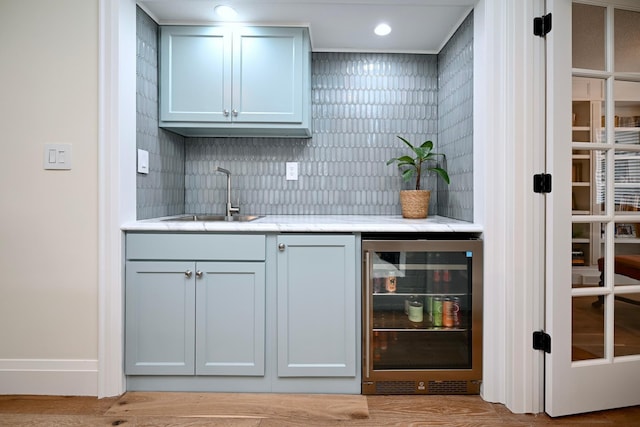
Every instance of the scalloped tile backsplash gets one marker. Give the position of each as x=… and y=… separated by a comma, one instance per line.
x=360, y=102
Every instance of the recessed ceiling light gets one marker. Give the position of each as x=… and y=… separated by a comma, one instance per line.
x=226, y=12
x=382, y=29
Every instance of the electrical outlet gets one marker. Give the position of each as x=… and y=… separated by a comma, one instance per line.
x=292, y=171
x=143, y=161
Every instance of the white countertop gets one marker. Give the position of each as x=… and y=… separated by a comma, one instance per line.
x=311, y=224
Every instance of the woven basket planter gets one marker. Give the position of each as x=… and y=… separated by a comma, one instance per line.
x=415, y=203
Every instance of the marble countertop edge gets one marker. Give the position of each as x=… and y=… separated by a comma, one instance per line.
x=311, y=223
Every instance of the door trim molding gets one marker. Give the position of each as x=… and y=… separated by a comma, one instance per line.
x=116, y=180
x=508, y=130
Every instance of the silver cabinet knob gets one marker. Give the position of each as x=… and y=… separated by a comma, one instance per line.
x=234, y=112
x=225, y=112
x=281, y=247
x=188, y=274
x=198, y=274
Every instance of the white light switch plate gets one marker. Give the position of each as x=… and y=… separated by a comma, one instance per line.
x=143, y=161
x=57, y=156
x=292, y=171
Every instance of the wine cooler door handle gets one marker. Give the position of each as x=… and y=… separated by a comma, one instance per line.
x=368, y=314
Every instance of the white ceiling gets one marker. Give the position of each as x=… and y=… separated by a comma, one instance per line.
x=418, y=26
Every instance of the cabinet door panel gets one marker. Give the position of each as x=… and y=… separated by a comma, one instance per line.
x=196, y=72
x=159, y=319
x=317, y=306
x=268, y=75
x=230, y=318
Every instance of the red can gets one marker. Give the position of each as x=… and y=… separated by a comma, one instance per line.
x=455, y=311
x=447, y=313
x=391, y=283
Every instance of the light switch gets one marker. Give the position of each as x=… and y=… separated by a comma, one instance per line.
x=143, y=161
x=57, y=156
x=292, y=171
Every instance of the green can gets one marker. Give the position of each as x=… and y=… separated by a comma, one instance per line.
x=428, y=307
x=437, y=311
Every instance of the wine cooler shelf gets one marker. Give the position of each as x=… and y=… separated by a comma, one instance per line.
x=399, y=321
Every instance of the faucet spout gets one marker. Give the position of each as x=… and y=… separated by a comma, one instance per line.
x=230, y=210
x=223, y=170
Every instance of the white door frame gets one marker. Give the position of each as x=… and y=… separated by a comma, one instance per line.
x=505, y=124
x=509, y=132
x=116, y=180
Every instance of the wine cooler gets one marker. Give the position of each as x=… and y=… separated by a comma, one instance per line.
x=422, y=316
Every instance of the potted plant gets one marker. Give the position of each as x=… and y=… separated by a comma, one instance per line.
x=415, y=203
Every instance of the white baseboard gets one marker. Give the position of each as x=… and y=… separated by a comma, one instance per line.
x=49, y=376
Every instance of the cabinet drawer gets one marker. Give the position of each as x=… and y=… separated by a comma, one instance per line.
x=219, y=247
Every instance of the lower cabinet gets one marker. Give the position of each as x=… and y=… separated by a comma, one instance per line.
x=160, y=302
x=204, y=318
x=316, y=306
x=242, y=313
x=230, y=319
x=195, y=317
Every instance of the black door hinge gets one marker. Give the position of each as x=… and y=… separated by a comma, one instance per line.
x=542, y=341
x=542, y=183
x=542, y=25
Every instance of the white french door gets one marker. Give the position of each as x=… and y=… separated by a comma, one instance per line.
x=593, y=212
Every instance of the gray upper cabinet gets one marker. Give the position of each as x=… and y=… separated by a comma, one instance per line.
x=316, y=306
x=195, y=74
x=222, y=81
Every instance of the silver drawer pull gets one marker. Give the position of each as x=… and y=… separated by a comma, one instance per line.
x=281, y=247
x=188, y=274
x=199, y=274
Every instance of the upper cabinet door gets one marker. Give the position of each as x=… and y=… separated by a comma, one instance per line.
x=268, y=75
x=195, y=74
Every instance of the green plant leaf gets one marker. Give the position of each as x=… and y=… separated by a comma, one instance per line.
x=421, y=153
x=406, y=159
x=443, y=174
x=408, y=174
x=428, y=145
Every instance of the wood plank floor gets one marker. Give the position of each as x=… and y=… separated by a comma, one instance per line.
x=411, y=411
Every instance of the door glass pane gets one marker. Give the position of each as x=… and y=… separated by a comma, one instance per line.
x=627, y=35
x=588, y=36
x=587, y=329
x=627, y=275
x=627, y=325
x=627, y=182
x=421, y=310
x=627, y=111
x=587, y=250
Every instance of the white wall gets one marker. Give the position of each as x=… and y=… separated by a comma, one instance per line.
x=49, y=219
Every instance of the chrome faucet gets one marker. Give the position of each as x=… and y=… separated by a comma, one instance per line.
x=230, y=210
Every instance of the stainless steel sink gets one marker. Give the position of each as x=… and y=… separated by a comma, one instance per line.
x=215, y=218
